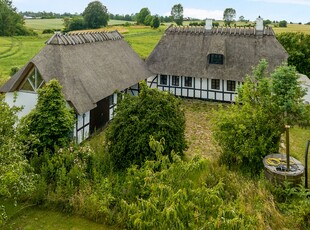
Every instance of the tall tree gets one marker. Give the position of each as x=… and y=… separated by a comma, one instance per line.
x=11, y=23
x=155, y=22
x=177, y=14
x=141, y=16
x=298, y=47
x=229, y=15
x=96, y=15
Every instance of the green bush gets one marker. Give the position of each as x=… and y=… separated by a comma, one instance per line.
x=48, y=31
x=250, y=129
x=51, y=122
x=153, y=113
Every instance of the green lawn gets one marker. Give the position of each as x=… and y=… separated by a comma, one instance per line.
x=24, y=217
x=39, y=25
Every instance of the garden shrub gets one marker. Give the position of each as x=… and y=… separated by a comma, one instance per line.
x=153, y=113
x=251, y=128
x=50, y=123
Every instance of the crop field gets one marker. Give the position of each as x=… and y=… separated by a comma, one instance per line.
x=39, y=25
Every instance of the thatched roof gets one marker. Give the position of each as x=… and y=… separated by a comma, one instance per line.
x=183, y=51
x=89, y=66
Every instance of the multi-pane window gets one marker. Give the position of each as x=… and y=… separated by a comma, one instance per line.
x=231, y=85
x=175, y=80
x=33, y=81
x=163, y=79
x=188, y=81
x=215, y=84
x=216, y=59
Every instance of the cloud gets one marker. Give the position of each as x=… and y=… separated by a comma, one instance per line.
x=203, y=14
x=299, y=2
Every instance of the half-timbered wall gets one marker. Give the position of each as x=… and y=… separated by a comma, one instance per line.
x=194, y=87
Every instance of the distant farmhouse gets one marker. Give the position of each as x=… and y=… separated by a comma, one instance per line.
x=209, y=63
x=90, y=67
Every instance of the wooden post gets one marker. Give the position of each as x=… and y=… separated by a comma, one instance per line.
x=287, y=127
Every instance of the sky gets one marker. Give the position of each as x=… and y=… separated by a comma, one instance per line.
x=289, y=10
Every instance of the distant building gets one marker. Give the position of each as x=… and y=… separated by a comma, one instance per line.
x=90, y=67
x=210, y=62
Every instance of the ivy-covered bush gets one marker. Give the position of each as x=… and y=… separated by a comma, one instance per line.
x=153, y=113
x=251, y=128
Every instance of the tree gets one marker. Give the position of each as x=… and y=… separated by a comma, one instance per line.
x=298, y=47
x=11, y=23
x=177, y=14
x=229, y=16
x=267, y=22
x=95, y=15
x=241, y=19
x=155, y=22
x=283, y=23
x=75, y=23
x=250, y=129
x=51, y=122
x=16, y=177
x=152, y=113
x=148, y=20
x=144, y=12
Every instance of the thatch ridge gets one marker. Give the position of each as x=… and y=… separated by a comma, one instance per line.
x=223, y=30
x=77, y=38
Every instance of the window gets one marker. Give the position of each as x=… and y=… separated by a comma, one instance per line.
x=216, y=59
x=231, y=85
x=163, y=79
x=215, y=84
x=33, y=81
x=188, y=82
x=175, y=80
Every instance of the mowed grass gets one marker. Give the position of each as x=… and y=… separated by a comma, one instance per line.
x=25, y=216
x=39, y=25
x=17, y=51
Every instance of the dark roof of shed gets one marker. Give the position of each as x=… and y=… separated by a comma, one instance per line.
x=89, y=66
x=183, y=51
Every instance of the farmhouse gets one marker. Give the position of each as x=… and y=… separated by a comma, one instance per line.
x=209, y=63
x=90, y=67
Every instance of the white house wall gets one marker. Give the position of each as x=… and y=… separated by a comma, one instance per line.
x=201, y=88
x=26, y=100
x=307, y=96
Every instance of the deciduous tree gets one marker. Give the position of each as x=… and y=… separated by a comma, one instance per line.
x=144, y=12
x=95, y=15
x=177, y=14
x=229, y=15
x=251, y=129
x=298, y=47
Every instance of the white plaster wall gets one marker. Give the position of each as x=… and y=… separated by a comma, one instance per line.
x=25, y=99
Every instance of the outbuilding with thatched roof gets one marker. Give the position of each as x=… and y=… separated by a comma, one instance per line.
x=208, y=62
x=90, y=67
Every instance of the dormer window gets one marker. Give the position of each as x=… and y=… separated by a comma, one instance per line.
x=216, y=59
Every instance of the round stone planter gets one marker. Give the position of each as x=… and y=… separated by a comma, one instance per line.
x=276, y=169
